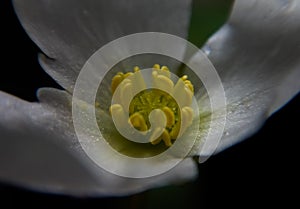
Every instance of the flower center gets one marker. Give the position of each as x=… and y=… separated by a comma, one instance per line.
x=176, y=107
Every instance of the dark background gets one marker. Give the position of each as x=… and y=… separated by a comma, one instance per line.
x=259, y=172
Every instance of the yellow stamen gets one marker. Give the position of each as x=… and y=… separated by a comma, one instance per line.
x=189, y=85
x=162, y=82
x=138, y=121
x=147, y=108
x=165, y=71
x=166, y=138
x=125, y=92
x=184, y=78
x=154, y=139
x=170, y=116
x=136, y=68
x=128, y=74
x=117, y=79
x=118, y=112
x=156, y=66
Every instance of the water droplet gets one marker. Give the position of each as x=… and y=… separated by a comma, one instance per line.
x=206, y=49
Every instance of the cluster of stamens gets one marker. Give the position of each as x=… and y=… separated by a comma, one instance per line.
x=176, y=107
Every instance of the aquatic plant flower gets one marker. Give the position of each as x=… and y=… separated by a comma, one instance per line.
x=257, y=60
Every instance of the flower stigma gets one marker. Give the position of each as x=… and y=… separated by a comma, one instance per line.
x=144, y=110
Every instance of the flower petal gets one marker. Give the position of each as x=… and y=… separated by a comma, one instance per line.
x=70, y=31
x=39, y=150
x=258, y=59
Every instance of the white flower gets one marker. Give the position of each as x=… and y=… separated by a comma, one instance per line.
x=255, y=54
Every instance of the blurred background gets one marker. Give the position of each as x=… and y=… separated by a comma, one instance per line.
x=259, y=172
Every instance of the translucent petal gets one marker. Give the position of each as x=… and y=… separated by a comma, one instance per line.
x=258, y=60
x=39, y=150
x=70, y=31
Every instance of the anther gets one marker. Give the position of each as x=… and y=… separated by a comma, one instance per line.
x=138, y=122
x=166, y=99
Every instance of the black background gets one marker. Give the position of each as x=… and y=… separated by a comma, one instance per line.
x=260, y=171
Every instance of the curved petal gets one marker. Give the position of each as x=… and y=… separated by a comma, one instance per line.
x=70, y=31
x=39, y=150
x=258, y=59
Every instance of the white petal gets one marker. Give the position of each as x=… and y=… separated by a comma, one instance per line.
x=39, y=150
x=70, y=31
x=257, y=56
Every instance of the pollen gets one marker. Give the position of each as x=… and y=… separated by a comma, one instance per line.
x=175, y=106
